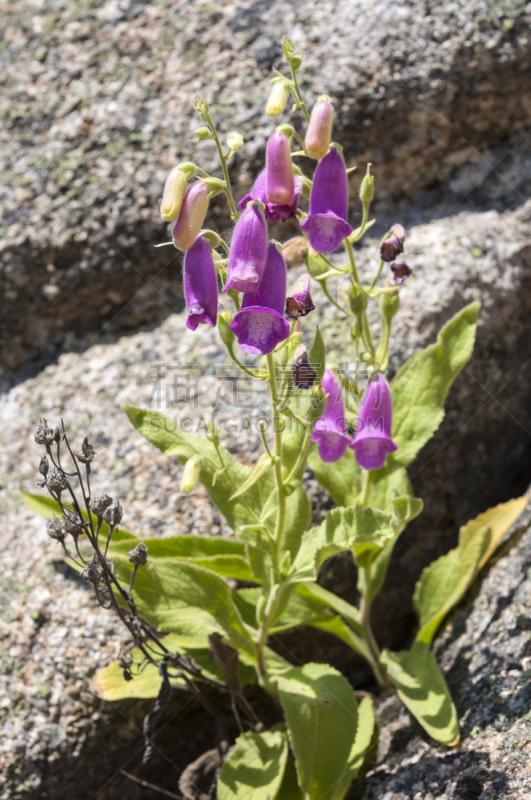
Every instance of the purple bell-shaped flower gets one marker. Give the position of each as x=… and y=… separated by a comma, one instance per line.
x=372, y=442
x=273, y=211
x=247, y=255
x=280, y=181
x=326, y=223
x=329, y=431
x=200, y=285
x=260, y=326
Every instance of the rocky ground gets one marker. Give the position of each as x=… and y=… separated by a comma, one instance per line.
x=97, y=107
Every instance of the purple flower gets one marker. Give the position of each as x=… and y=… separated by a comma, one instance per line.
x=401, y=271
x=280, y=181
x=393, y=244
x=320, y=128
x=372, y=442
x=191, y=216
x=200, y=285
x=300, y=302
x=260, y=326
x=326, y=224
x=329, y=431
x=273, y=211
x=248, y=251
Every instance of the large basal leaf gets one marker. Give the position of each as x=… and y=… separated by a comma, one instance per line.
x=217, y=553
x=423, y=690
x=443, y=584
x=166, y=434
x=322, y=718
x=179, y=597
x=419, y=389
x=255, y=767
x=342, y=479
x=47, y=507
x=341, y=530
x=289, y=788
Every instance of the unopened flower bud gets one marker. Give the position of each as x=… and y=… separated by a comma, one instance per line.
x=279, y=96
x=203, y=133
x=201, y=105
x=100, y=504
x=393, y=244
x=57, y=481
x=367, y=187
x=175, y=190
x=87, y=452
x=303, y=375
x=288, y=48
x=225, y=333
x=389, y=302
x=234, y=141
x=213, y=435
x=138, y=556
x=216, y=185
x=280, y=181
x=315, y=263
x=317, y=406
x=319, y=131
x=357, y=300
x=191, y=473
x=113, y=515
x=191, y=217
x=300, y=303
x=401, y=271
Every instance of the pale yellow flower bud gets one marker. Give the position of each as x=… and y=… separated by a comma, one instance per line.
x=191, y=472
x=234, y=141
x=319, y=130
x=278, y=98
x=175, y=190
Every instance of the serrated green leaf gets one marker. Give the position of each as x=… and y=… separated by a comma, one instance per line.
x=341, y=530
x=341, y=479
x=289, y=788
x=419, y=389
x=364, y=734
x=322, y=719
x=443, y=584
x=187, y=600
x=258, y=537
x=47, y=507
x=262, y=466
x=423, y=690
x=297, y=520
x=254, y=768
x=165, y=434
x=317, y=355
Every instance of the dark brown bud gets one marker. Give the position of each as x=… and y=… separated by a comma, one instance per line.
x=57, y=435
x=303, y=374
x=138, y=556
x=87, y=452
x=93, y=571
x=57, y=481
x=44, y=466
x=44, y=434
x=55, y=529
x=100, y=504
x=393, y=244
x=113, y=515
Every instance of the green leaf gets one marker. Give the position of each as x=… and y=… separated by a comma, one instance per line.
x=290, y=789
x=341, y=479
x=254, y=768
x=341, y=530
x=264, y=464
x=364, y=734
x=349, y=613
x=190, y=601
x=47, y=507
x=443, y=584
x=317, y=355
x=165, y=434
x=322, y=719
x=423, y=690
x=419, y=389
x=297, y=520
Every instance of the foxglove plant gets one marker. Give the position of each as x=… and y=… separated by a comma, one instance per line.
x=182, y=615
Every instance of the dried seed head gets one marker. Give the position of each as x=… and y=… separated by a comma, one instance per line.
x=100, y=504
x=44, y=434
x=57, y=435
x=113, y=515
x=44, y=466
x=57, y=481
x=87, y=452
x=125, y=659
x=72, y=524
x=55, y=529
x=93, y=571
x=138, y=556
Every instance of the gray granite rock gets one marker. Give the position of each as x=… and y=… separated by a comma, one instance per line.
x=98, y=108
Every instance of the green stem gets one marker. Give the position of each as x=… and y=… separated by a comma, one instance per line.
x=350, y=252
x=228, y=190
x=277, y=425
x=297, y=93
x=329, y=296
x=375, y=281
x=365, y=612
x=364, y=496
x=382, y=354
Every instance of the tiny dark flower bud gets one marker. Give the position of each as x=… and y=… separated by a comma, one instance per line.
x=113, y=515
x=57, y=435
x=401, y=271
x=299, y=304
x=44, y=434
x=100, y=504
x=393, y=244
x=44, y=466
x=93, y=571
x=138, y=556
x=87, y=452
x=303, y=374
x=55, y=529
x=57, y=480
